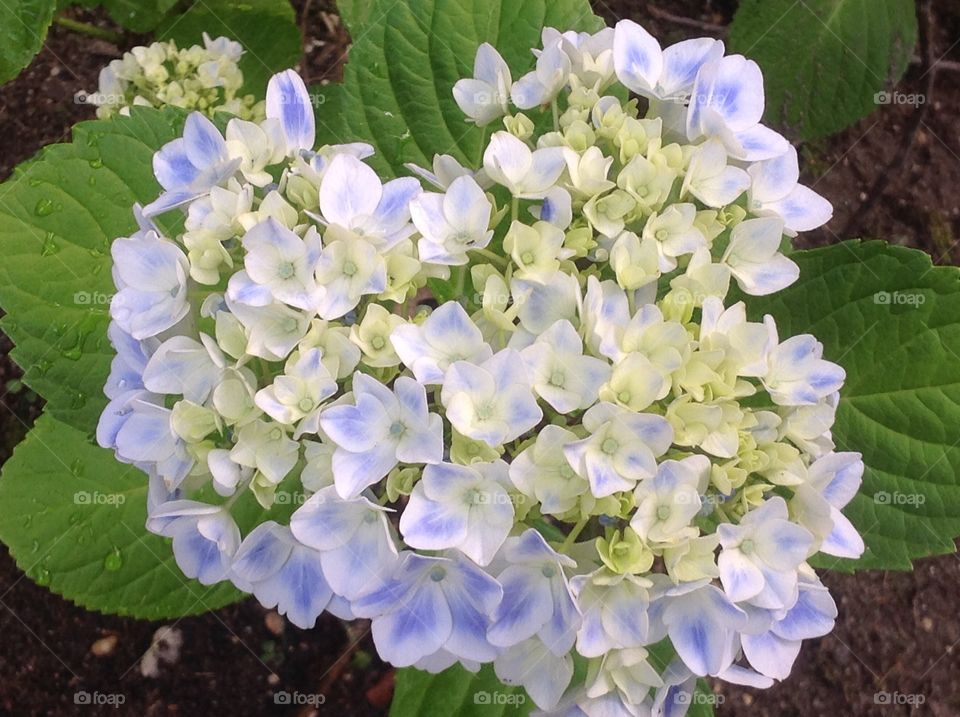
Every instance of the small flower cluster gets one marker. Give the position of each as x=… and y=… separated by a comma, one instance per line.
x=589, y=452
x=207, y=79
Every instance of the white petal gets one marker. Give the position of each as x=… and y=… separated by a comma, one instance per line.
x=637, y=57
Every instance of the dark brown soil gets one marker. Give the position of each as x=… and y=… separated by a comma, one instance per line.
x=898, y=634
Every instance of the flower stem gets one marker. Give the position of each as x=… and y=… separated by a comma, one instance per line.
x=84, y=28
x=515, y=209
x=495, y=259
x=556, y=115
x=572, y=536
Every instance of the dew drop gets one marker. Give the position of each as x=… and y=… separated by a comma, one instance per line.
x=77, y=468
x=49, y=247
x=114, y=561
x=34, y=546
x=44, y=207
x=96, y=163
x=43, y=577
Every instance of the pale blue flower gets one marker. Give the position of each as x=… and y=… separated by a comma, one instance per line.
x=537, y=599
x=774, y=191
x=797, y=373
x=700, y=620
x=453, y=223
x=485, y=97
x=754, y=259
x=190, y=166
x=432, y=604
x=833, y=480
x=282, y=263
x=205, y=537
x=760, y=556
x=727, y=104
x=139, y=430
x=127, y=366
x=352, y=198
x=614, y=608
x=527, y=174
x=357, y=548
x=381, y=429
x=560, y=372
x=621, y=448
x=448, y=335
x=186, y=367
x=289, y=101
x=773, y=652
x=491, y=402
x=463, y=507
x=659, y=74
x=285, y=575
x=151, y=274
x=543, y=673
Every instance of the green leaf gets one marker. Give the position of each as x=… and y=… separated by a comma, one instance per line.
x=455, y=692
x=892, y=320
x=267, y=29
x=824, y=61
x=398, y=84
x=137, y=15
x=23, y=28
x=73, y=519
x=355, y=14
x=58, y=215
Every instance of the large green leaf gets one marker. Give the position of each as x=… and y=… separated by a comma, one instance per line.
x=137, y=15
x=23, y=28
x=892, y=320
x=457, y=693
x=73, y=519
x=405, y=60
x=267, y=29
x=825, y=61
x=58, y=215
x=355, y=14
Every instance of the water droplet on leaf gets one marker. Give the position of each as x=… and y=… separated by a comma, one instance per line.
x=44, y=207
x=114, y=561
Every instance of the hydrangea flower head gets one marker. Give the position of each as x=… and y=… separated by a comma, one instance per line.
x=206, y=78
x=593, y=449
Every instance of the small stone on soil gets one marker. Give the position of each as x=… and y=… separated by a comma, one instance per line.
x=105, y=646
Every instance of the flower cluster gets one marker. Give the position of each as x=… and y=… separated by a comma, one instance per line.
x=516, y=414
x=207, y=79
